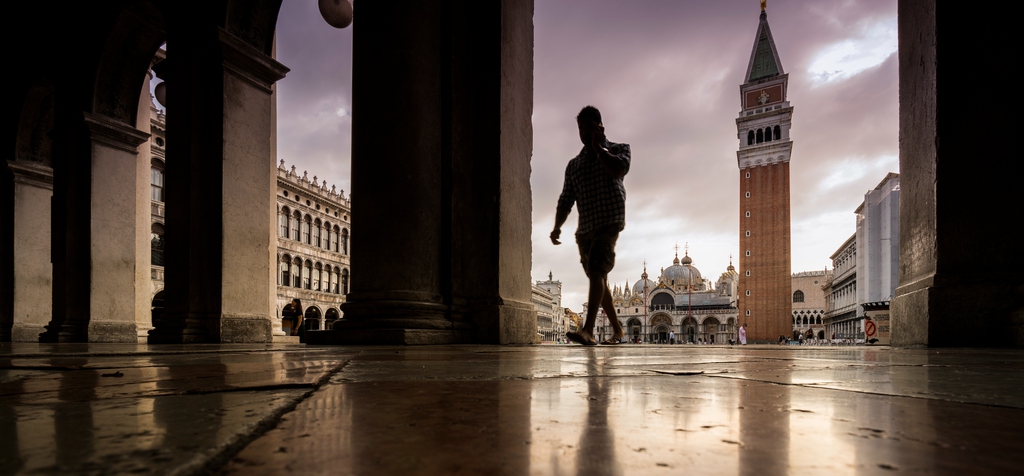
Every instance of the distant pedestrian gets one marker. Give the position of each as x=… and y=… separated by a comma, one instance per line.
x=298, y=326
x=671, y=337
x=743, y=334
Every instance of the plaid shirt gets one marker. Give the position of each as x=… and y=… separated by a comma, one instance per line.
x=601, y=198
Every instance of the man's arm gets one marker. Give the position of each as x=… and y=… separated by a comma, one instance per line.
x=561, y=214
x=616, y=164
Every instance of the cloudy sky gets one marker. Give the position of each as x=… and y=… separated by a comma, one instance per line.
x=666, y=76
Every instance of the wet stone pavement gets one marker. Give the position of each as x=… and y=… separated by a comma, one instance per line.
x=628, y=409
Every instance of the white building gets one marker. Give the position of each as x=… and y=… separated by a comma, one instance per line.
x=551, y=318
x=878, y=238
x=867, y=265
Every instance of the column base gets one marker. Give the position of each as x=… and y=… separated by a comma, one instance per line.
x=25, y=333
x=203, y=329
x=113, y=332
x=238, y=329
x=953, y=314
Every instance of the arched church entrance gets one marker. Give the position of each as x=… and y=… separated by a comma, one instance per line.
x=710, y=334
x=689, y=329
x=634, y=328
x=661, y=324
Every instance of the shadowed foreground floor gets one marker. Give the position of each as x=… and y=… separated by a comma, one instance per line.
x=628, y=409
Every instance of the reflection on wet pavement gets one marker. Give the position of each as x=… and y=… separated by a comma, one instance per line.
x=512, y=410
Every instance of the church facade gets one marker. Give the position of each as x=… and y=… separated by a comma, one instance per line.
x=679, y=304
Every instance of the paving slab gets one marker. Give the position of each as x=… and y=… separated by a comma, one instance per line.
x=547, y=409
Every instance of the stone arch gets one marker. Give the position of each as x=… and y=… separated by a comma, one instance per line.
x=254, y=22
x=710, y=330
x=689, y=329
x=125, y=59
x=312, y=317
x=634, y=328
x=33, y=143
x=662, y=300
x=157, y=305
x=332, y=314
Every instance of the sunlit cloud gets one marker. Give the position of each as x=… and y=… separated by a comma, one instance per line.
x=844, y=59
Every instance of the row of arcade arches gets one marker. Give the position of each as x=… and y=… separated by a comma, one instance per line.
x=710, y=329
x=767, y=134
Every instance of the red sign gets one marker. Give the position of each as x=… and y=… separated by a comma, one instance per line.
x=869, y=328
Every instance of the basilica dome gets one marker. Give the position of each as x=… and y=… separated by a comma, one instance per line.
x=638, y=288
x=681, y=273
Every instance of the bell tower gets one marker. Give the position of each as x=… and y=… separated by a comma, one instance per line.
x=763, y=158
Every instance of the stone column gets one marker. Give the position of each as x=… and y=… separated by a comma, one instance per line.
x=32, y=273
x=960, y=199
x=144, y=218
x=276, y=325
x=441, y=143
x=116, y=295
x=221, y=184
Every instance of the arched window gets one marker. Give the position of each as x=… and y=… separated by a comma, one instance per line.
x=327, y=235
x=156, y=181
x=767, y=134
x=344, y=240
x=750, y=138
x=316, y=232
x=760, y=136
x=344, y=281
x=282, y=220
x=334, y=244
x=334, y=280
x=296, y=218
x=778, y=133
x=327, y=277
x=307, y=223
x=818, y=319
x=805, y=320
x=285, y=265
x=798, y=296
x=317, y=270
x=157, y=244
x=297, y=273
x=307, y=270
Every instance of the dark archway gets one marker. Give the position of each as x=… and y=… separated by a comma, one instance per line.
x=312, y=318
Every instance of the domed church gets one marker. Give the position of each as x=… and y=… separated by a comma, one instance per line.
x=682, y=301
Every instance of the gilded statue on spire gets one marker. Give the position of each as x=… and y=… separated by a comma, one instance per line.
x=764, y=3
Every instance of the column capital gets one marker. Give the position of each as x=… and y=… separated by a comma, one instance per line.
x=249, y=63
x=31, y=173
x=114, y=133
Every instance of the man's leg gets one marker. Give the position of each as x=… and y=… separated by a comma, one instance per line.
x=595, y=297
x=609, y=310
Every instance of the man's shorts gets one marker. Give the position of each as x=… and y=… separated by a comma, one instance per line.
x=597, y=250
